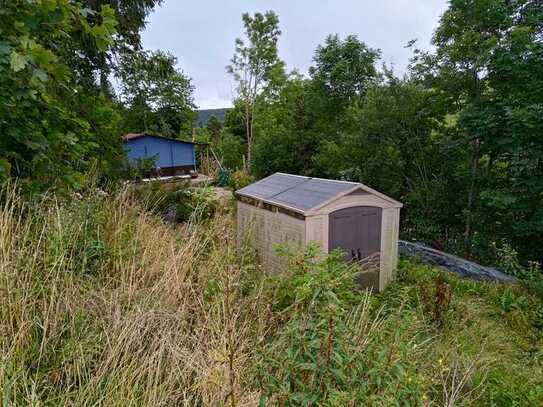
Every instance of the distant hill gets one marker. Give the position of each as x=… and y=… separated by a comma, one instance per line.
x=205, y=114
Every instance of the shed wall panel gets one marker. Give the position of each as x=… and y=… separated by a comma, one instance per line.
x=315, y=229
x=183, y=154
x=389, y=245
x=263, y=229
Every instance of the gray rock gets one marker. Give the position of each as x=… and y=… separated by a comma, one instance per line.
x=455, y=264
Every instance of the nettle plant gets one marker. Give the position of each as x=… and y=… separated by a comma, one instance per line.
x=329, y=350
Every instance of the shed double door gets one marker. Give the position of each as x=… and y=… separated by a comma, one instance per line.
x=356, y=230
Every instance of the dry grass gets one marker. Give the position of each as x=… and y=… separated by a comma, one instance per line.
x=124, y=311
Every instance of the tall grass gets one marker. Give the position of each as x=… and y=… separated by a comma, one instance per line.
x=102, y=302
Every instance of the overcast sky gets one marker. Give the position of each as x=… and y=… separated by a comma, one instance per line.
x=201, y=33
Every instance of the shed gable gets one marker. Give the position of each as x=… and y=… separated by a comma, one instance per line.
x=358, y=196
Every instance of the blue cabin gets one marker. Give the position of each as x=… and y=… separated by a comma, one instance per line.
x=171, y=156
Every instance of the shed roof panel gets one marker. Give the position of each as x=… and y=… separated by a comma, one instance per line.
x=310, y=193
x=294, y=191
x=270, y=186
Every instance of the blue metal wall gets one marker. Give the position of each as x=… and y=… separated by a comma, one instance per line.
x=168, y=153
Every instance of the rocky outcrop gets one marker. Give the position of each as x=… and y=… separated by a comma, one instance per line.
x=455, y=264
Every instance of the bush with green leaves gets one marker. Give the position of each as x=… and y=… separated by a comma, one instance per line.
x=329, y=351
x=241, y=178
x=53, y=126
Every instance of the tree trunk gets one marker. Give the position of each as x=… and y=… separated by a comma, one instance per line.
x=474, y=167
x=249, y=132
x=471, y=193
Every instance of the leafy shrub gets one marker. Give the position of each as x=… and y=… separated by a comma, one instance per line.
x=241, y=178
x=506, y=258
x=203, y=202
x=231, y=149
x=509, y=301
x=530, y=274
x=329, y=351
x=137, y=169
x=532, y=278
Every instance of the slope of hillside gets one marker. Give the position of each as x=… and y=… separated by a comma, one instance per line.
x=102, y=302
x=205, y=114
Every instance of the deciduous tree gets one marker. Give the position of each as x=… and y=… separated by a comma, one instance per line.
x=256, y=67
x=44, y=139
x=158, y=96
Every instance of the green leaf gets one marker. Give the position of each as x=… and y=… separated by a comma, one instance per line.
x=85, y=12
x=40, y=75
x=17, y=61
x=5, y=48
x=307, y=366
x=5, y=167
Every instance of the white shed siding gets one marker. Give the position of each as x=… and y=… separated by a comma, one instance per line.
x=389, y=245
x=263, y=229
x=315, y=227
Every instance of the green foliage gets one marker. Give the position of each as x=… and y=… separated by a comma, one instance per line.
x=214, y=127
x=180, y=204
x=240, y=178
x=158, y=97
x=231, y=150
x=509, y=301
x=317, y=357
x=47, y=116
x=282, y=143
x=131, y=15
x=313, y=284
x=304, y=120
x=256, y=68
x=334, y=345
x=234, y=120
x=487, y=66
x=343, y=68
x=506, y=258
x=139, y=169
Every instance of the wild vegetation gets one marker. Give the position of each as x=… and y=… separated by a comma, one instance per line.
x=103, y=302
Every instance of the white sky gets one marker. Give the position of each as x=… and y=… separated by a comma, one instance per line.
x=201, y=33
